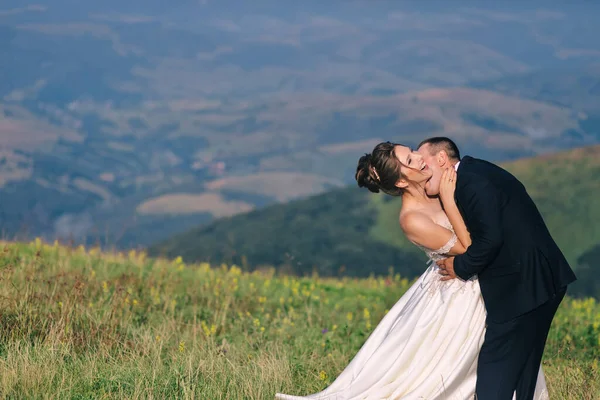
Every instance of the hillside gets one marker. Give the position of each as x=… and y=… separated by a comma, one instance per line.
x=122, y=325
x=319, y=234
x=126, y=122
x=588, y=283
x=360, y=230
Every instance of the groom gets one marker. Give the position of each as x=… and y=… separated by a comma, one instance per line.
x=522, y=273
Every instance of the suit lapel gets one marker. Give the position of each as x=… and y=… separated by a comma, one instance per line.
x=459, y=184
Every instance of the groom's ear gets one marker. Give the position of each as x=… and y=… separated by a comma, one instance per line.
x=442, y=158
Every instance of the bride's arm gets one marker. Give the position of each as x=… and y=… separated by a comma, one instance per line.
x=447, y=186
x=422, y=231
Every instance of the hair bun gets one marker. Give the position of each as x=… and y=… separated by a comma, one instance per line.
x=364, y=174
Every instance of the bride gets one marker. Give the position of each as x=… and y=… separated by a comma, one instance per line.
x=426, y=346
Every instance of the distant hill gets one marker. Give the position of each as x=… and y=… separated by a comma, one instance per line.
x=329, y=233
x=587, y=283
x=124, y=122
x=354, y=228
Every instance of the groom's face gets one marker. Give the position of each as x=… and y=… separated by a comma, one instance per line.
x=436, y=163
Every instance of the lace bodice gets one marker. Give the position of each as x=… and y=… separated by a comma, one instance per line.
x=438, y=254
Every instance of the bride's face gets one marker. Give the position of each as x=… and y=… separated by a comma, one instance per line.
x=413, y=167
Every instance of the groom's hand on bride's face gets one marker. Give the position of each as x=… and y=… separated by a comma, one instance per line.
x=446, y=268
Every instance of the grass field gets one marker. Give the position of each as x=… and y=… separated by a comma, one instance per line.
x=79, y=324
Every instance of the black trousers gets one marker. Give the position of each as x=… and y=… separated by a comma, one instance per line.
x=512, y=353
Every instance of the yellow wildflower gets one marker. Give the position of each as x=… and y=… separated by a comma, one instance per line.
x=205, y=329
x=204, y=267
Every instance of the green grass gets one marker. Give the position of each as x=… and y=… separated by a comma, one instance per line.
x=79, y=324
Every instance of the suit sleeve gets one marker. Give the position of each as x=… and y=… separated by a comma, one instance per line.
x=481, y=203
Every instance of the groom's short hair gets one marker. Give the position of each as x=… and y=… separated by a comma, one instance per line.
x=440, y=143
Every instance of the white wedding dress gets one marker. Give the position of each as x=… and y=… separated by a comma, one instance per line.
x=425, y=347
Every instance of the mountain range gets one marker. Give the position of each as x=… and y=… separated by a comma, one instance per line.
x=351, y=231
x=123, y=123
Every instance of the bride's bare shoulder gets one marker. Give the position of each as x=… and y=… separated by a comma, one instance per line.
x=411, y=220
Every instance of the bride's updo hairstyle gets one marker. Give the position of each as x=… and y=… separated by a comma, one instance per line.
x=380, y=170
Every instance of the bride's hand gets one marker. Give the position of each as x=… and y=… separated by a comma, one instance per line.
x=447, y=186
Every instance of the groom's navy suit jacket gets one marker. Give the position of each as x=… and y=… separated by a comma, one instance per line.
x=518, y=264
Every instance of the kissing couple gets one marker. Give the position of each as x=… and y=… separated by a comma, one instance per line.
x=475, y=324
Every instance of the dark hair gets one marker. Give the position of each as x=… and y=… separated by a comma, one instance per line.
x=380, y=170
x=440, y=143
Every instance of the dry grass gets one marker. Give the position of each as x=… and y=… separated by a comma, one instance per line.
x=189, y=203
x=282, y=186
